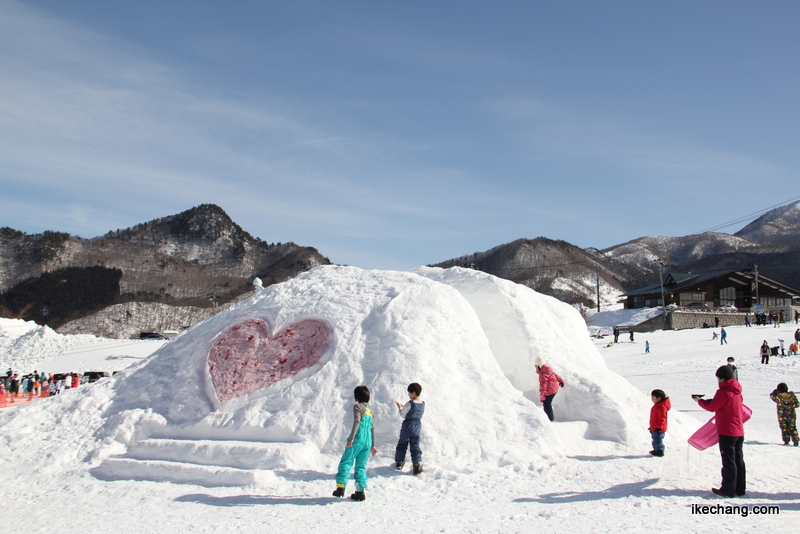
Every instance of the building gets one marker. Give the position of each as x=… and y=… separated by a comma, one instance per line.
x=742, y=289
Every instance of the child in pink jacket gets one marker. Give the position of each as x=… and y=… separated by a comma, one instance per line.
x=549, y=382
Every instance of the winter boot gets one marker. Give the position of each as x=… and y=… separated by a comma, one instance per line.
x=417, y=468
x=358, y=496
x=339, y=492
x=399, y=465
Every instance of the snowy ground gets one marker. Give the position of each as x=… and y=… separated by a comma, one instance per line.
x=596, y=486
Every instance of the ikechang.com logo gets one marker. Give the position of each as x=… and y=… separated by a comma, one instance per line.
x=742, y=510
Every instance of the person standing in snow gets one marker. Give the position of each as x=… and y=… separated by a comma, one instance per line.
x=765, y=352
x=549, y=382
x=723, y=336
x=735, y=370
x=646, y=347
x=658, y=420
x=727, y=406
x=411, y=412
x=787, y=417
x=783, y=349
x=359, y=445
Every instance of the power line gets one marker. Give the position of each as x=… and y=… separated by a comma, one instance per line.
x=746, y=217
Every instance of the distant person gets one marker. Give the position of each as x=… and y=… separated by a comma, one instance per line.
x=714, y=335
x=787, y=417
x=747, y=320
x=793, y=348
x=796, y=316
x=631, y=334
x=658, y=420
x=13, y=388
x=735, y=370
x=727, y=407
x=723, y=336
x=780, y=344
x=549, y=382
x=410, y=430
x=781, y=317
x=716, y=322
x=359, y=445
x=797, y=335
x=765, y=352
x=616, y=335
x=646, y=347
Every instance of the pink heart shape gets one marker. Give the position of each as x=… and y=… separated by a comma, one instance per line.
x=244, y=359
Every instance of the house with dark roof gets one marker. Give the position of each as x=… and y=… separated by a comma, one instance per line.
x=742, y=289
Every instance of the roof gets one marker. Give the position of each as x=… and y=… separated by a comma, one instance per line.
x=677, y=281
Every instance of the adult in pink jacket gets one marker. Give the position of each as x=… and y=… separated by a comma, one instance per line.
x=727, y=406
x=549, y=382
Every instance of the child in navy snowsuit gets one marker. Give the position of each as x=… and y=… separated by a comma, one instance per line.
x=411, y=412
x=359, y=445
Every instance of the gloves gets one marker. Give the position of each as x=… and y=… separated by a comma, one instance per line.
x=561, y=384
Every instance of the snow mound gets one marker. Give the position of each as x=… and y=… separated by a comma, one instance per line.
x=520, y=324
x=388, y=329
x=26, y=345
x=199, y=410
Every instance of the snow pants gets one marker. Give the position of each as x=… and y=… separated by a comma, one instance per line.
x=548, y=406
x=358, y=453
x=658, y=440
x=409, y=435
x=733, y=469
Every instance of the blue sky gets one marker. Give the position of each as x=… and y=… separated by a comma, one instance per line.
x=395, y=134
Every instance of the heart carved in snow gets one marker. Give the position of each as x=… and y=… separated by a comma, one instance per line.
x=244, y=359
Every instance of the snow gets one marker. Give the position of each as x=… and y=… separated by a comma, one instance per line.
x=153, y=450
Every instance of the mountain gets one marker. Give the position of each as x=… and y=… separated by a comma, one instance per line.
x=780, y=226
x=199, y=258
x=562, y=270
x=555, y=268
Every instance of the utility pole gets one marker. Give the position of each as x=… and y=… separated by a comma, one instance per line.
x=661, y=281
x=755, y=272
x=597, y=280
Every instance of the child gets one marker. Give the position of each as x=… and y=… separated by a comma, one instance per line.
x=787, y=418
x=410, y=430
x=359, y=445
x=658, y=420
x=549, y=382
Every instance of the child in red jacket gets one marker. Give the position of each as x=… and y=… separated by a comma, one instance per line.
x=658, y=420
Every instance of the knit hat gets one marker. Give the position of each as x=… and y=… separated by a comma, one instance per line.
x=725, y=372
x=539, y=361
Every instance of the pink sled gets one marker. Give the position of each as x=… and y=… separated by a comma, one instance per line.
x=706, y=435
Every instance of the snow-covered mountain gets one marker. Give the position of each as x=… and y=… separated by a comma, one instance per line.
x=780, y=226
x=570, y=273
x=555, y=268
x=199, y=257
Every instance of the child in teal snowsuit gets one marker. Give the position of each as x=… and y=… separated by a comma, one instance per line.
x=359, y=445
